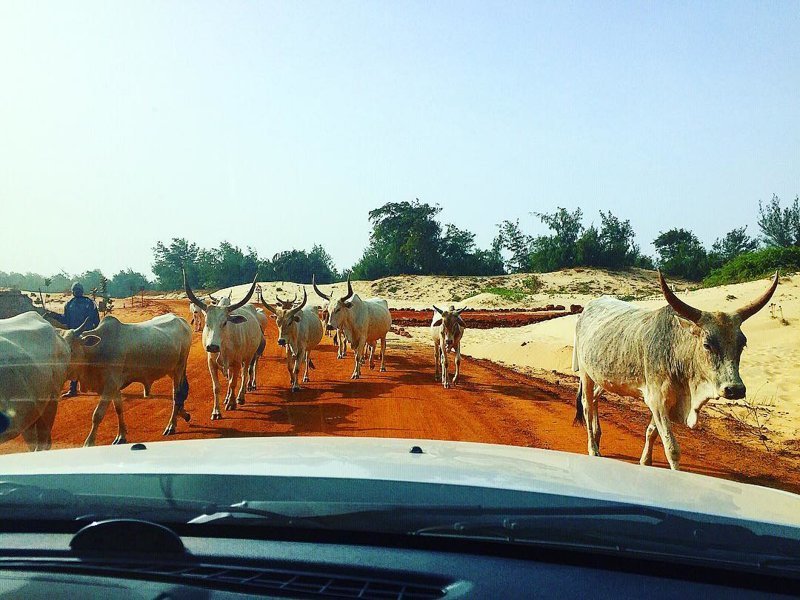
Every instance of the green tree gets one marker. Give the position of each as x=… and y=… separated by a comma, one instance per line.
x=518, y=245
x=734, y=243
x=680, y=253
x=617, y=240
x=780, y=226
x=168, y=262
x=559, y=250
x=126, y=283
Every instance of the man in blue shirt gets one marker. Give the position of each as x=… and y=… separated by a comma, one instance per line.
x=76, y=311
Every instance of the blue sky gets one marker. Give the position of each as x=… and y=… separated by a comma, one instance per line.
x=280, y=125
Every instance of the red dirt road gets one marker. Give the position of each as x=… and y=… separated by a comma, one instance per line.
x=492, y=404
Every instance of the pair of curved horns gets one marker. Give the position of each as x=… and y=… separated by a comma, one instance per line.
x=457, y=311
x=327, y=296
x=284, y=303
x=203, y=306
x=291, y=312
x=693, y=314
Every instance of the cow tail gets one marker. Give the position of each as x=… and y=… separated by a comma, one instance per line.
x=335, y=338
x=578, y=420
x=183, y=390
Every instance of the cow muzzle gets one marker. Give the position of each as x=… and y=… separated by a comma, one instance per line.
x=281, y=342
x=329, y=327
x=213, y=348
x=736, y=391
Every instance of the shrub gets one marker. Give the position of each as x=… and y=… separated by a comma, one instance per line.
x=755, y=265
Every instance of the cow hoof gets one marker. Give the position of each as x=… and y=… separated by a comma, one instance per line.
x=240, y=401
x=216, y=416
x=383, y=369
x=306, y=380
x=186, y=417
x=118, y=440
x=296, y=388
x=169, y=430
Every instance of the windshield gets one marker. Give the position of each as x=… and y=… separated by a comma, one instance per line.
x=530, y=229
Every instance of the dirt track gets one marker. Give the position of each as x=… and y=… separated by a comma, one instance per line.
x=492, y=404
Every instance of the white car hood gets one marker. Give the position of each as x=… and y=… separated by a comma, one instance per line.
x=453, y=463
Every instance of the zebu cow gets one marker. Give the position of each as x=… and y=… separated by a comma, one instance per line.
x=339, y=340
x=134, y=352
x=232, y=337
x=300, y=330
x=676, y=358
x=446, y=331
x=363, y=323
x=198, y=318
x=34, y=364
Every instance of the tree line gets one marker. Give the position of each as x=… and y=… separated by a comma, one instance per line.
x=407, y=238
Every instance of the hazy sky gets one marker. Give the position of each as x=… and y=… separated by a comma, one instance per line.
x=280, y=125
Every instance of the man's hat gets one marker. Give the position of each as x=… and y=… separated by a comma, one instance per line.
x=77, y=289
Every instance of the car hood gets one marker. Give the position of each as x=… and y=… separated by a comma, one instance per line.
x=425, y=461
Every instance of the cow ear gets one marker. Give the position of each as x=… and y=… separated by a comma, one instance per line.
x=437, y=322
x=237, y=319
x=348, y=304
x=90, y=340
x=692, y=327
x=274, y=316
x=297, y=318
x=461, y=322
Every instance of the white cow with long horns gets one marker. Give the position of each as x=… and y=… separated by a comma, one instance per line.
x=675, y=358
x=363, y=323
x=232, y=337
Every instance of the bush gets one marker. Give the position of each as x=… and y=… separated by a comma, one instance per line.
x=755, y=265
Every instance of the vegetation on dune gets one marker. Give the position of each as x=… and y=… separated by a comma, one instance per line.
x=407, y=239
x=755, y=265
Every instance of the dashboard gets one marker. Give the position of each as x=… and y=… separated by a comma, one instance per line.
x=43, y=565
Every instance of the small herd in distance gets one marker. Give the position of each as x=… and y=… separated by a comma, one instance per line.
x=675, y=358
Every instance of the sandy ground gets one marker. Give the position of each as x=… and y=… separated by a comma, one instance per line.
x=770, y=365
x=492, y=404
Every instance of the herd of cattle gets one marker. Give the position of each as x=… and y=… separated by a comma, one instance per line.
x=675, y=358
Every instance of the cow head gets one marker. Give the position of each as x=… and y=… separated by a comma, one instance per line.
x=287, y=304
x=337, y=308
x=224, y=301
x=286, y=318
x=451, y=321
x=79, y=341
x=720, y=342
x=217, y=317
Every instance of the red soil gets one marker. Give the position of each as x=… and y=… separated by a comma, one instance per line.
x=491, y=404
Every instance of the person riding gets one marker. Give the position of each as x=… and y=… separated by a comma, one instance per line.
x=76, y=311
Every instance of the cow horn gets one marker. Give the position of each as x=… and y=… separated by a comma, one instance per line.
x=748, y=311
x=195, y=300
x=297, y=309
x=460, y=310
x=679, y=306
x=438, y=310
x=316, y=289
x=349, y=289
x=247, y=297
x=266, y=304
x=285, y=302
x=82, y=327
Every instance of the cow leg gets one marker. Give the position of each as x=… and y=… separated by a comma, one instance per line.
x=212, y=368
x=458, y=367
x=122, y=431
x=239, y=380
x=383, y=354
x=44, y=426
x=445, y=369
x=436, y=359
x=372, y=355
x=97, y=418
x=358, y=351
x=146, y=392
x=308, y=360
x=671, y=448
x=180, y=389
x=649, y=438
x=296, y=370
x=589, y=408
